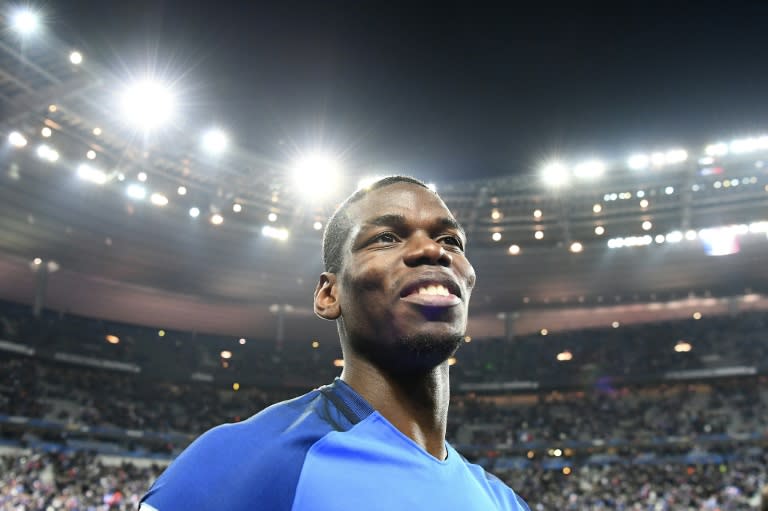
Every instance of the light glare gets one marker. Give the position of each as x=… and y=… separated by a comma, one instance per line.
x=16, y=139
x=88, y=173
x=215, y=141
x=158, y=199
x=76, y=58
x=589, y=169
x=316, y=174
x=148, y=104
x=136, y=192
x=555, y=174
x=194, y=212
x=25, y=21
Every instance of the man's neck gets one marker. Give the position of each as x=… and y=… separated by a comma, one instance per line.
x=417, y=405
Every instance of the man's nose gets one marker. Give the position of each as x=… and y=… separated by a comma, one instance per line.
x=422, y=249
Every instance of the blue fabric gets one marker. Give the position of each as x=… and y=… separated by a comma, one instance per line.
x=325, y=451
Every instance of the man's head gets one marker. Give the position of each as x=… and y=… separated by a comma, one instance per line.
x=397, y=279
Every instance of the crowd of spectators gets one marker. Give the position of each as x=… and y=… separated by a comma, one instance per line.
x=80, y=481
x=74, y=481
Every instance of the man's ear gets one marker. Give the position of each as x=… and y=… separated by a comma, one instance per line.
x=327, y=297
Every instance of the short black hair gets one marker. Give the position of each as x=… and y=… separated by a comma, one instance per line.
x=339, y=225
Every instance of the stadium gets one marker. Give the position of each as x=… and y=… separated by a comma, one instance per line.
x=154, y=286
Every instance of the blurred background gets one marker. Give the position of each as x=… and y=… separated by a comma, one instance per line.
x=167, y=169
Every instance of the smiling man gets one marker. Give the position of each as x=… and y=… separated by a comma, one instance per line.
x=397, y=283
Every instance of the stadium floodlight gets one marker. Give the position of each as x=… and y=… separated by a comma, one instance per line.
x=496, y=236
x=316, y=174
x=674, y=237
x=599, y=230
x=136, y=192
x=237, y=207
x=660, y=238
x=514, y=249
x=647, y=225
x=194, y=212
x=638, y=161
x=47, y=153
x=46, y=132
x=275, y=232
x=576, y=247
x=272, y=217
x=76, y=58
x=215, y=141
x=158, y=199
x=555, y=174
x=91, y=154
x=181, y=190
x=25, y=21
x=148, y=104
x=717, y=149
x=88, y=173
x=675, y=156
x=142, y=176
x=317, y=225
x=217, y=219
x=16, y=139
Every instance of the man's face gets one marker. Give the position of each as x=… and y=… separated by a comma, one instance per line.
x=405, y=282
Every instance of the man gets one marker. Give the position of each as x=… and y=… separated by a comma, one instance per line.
x=397, y=283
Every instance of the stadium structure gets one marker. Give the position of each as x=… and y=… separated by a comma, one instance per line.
x=618, y=323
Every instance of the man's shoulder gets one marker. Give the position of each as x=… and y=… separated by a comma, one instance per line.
x=505, y=497
x=257, y=459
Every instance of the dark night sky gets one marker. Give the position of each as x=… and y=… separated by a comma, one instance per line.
x=447, y=90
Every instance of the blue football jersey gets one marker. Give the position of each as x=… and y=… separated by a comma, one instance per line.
x=327, y=450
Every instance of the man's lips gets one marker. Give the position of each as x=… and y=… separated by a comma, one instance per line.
x=432, y=300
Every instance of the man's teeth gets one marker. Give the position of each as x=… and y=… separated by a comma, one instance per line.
x=434, y=290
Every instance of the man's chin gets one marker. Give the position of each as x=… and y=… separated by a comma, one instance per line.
x=421, y=352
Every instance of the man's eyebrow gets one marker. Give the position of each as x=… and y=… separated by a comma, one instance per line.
x=395, y=220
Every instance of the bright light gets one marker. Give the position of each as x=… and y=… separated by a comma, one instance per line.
x=315, y=345
x=599, y=230
x=142, y=176
x=669, y=190
x=236, y=386
x=242, y=340
x=52, y=108
x=136, y=192
x=720, y=241
x=538, y=235
x=697, y=315
x=76, y=57
x=589, y=169
x=317, y=226
x=237, y=208
x=339, y=362
x=272, y=217
x=690, y=235
x=25, y=21
x=514, y=249
x=46, y=132
x=16, y=139
x=194, y=212
x=495, y=214
x=537, y=213
x=660, y=239
x=37, y=261
x=647, y=225
x=91, y=154
x=564, y=356
x=544, y=331
x=452, y=361
x=47, y=153
x=674, y=237
x=706, y=160
x=225, y=354
x=644, y=203
x=615, y=324
x=217, y=219
x=718, y=149
x=158, y=199
x=496, y=236
x=638, y=161
x=273, y=232
x=675, y=156
x=148, y=104
x=683, y=347
x=182, y=190
x=432, y=186
x=161, y=333
x=88, y=173
x=112, y=339
x=316, y=174
x=576, y=247
x=555, y=174
x=97, y=131
x=215, y=141
x=640, y=194
x=597, y=208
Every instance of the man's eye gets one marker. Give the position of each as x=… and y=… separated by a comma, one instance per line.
x=385, y=237
x=453, y=240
